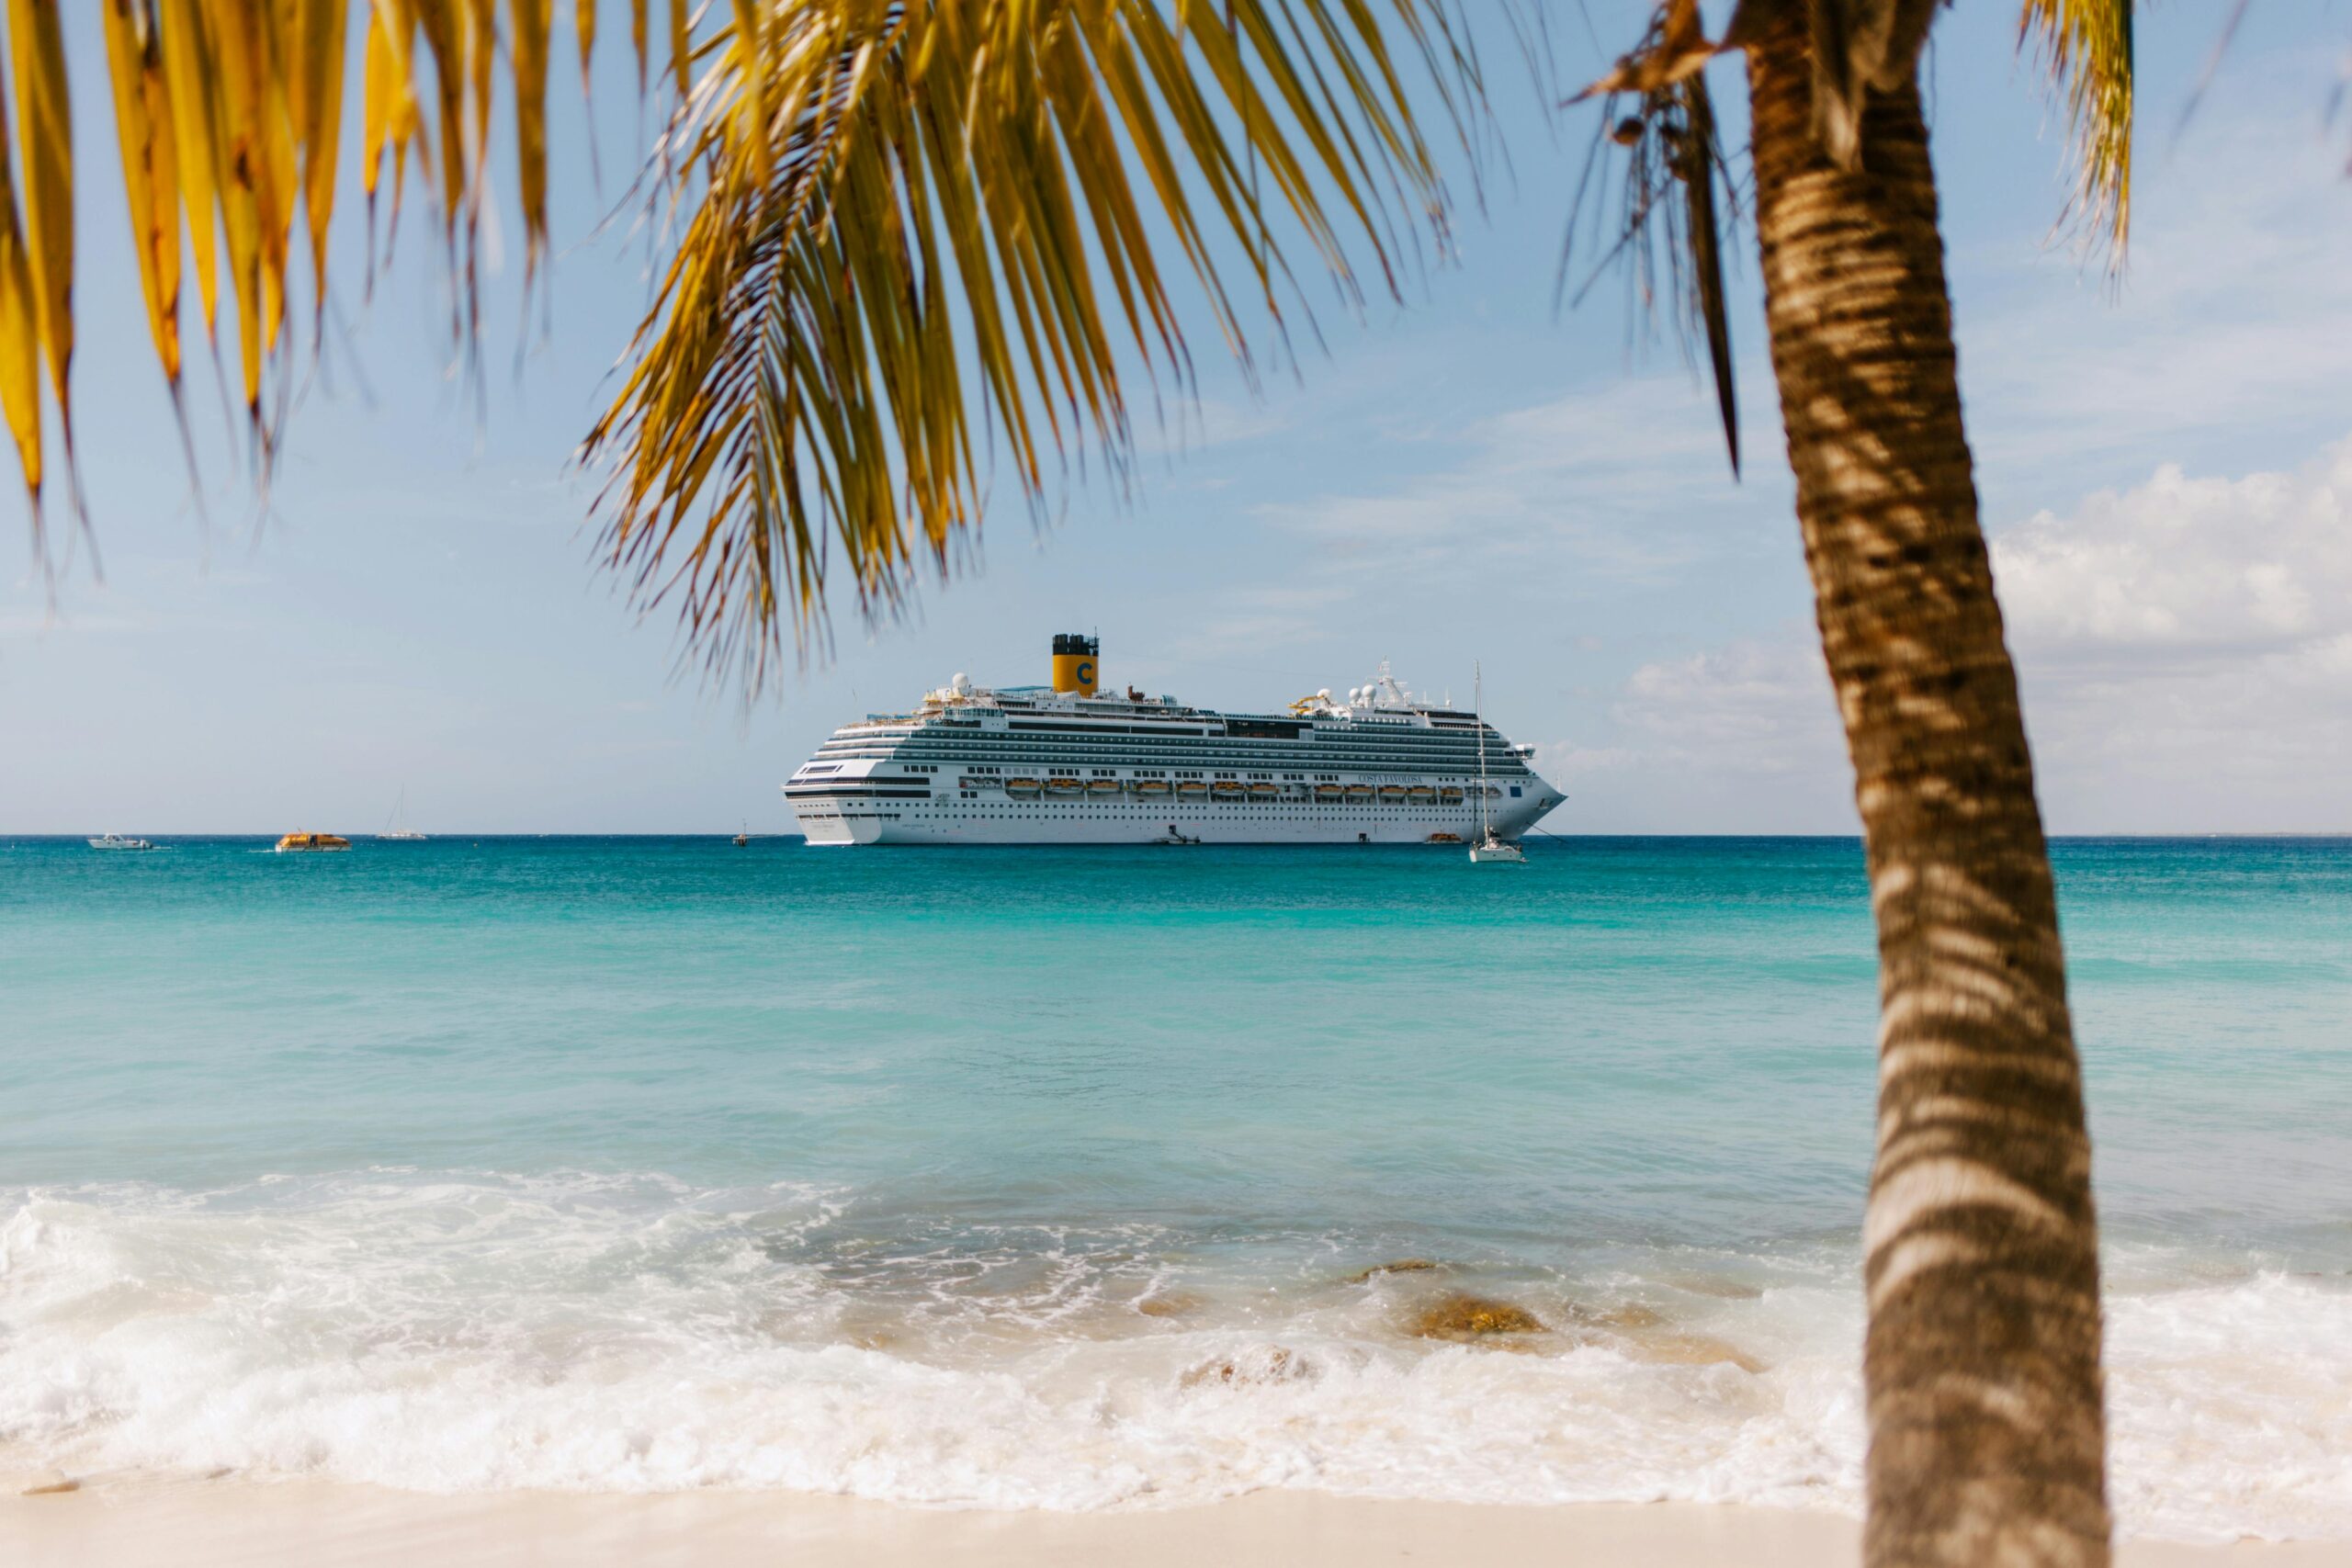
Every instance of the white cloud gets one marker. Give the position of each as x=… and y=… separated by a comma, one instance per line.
x=1612, y=482
x=2233, y=317
x=1755, y=706
x=2185, y=650
x=1564, y=761
x=1187, y=426
x=2261, y=564
x=1276, y=615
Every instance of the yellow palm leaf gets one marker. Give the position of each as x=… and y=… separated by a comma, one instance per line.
x=149, y=168
x=191, y=82
x=531, y=22
x=2086, y=47
x=917, y=217
x=20, y=331
x=315, y=102
x=45, y=137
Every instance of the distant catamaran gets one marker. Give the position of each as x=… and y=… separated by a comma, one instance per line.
x=1492, y=847
x=397, y=825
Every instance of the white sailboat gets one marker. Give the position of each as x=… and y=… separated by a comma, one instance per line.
x=396, y=827
x=1492, y=848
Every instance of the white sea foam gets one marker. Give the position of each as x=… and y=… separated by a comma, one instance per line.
x=452, y=1333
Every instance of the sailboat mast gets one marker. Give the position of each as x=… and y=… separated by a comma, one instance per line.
x=1478, y=712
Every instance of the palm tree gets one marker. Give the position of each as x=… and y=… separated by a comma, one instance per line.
x=889, y=199
x=1982, y=1365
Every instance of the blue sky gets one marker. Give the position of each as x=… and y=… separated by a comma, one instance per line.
x=2166, y=473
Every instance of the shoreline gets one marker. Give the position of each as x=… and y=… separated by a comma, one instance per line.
x=123, y=1522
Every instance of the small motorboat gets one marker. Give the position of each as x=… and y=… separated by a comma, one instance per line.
x=1173, y=837
x=293, y=842
x=116, y=842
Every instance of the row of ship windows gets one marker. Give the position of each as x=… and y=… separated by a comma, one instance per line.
x=1269, y=756
x=1226, y=808
x=1498, y=758
x=1419, y=739
x=1499, y=762
x=1156, y=809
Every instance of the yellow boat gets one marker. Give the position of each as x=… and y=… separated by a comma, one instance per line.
x=293, y=841
x=1227, y=788
x=1359, y=792
x=1421, y=793
x=1392, y=792
x=1021, y=786
x=1151, y=787
x=1451, y=795
x=1064, y=786
x=1103, y=786
x=1191, y=786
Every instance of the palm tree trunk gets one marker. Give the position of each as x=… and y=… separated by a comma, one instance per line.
x=1987, y=1434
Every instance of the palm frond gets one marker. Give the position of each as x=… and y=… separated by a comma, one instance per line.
x=229, y=118
x=916, y=235
x=2086, y=48
x=1654, y=105
x=926, y=232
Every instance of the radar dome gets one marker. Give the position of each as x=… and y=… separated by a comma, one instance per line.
x=962, y=685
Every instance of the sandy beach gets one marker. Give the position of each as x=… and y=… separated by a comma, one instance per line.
x=195, y=1524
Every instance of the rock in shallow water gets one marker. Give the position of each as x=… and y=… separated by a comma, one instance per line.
x=1401, y=1266
x=1473, y=1317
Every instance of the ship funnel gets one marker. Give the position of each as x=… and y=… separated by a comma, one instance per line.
x=1075, y=662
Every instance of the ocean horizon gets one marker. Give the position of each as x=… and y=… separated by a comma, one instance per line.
x=1102, y=1178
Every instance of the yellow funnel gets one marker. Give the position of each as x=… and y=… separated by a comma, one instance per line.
x=1076, y=665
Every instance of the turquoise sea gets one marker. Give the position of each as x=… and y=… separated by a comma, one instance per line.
x=1046, y=1179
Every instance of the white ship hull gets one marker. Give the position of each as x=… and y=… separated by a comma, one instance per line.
x=1130, y=821
x=1032, y=765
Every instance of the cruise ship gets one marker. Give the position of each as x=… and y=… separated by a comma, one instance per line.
x=1075, y=763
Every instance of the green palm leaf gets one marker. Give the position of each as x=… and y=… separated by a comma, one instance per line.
x=911, y=218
